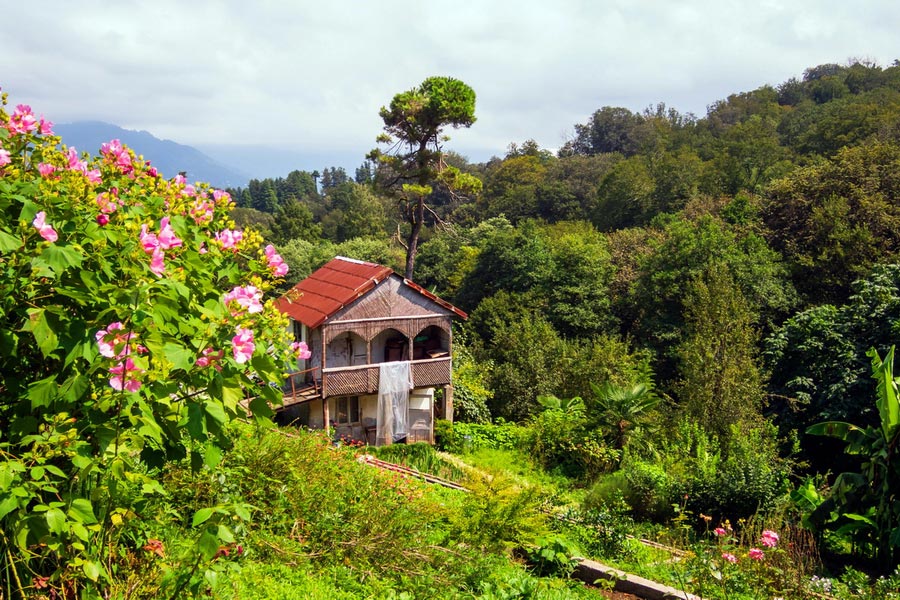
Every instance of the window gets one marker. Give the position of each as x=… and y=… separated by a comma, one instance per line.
x=347, y=410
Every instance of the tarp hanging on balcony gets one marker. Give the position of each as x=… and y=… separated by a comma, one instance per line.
x=394, y=383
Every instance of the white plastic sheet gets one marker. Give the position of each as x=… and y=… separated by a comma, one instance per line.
x=394, y=383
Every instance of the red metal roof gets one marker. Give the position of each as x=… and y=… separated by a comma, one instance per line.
x=336, y=285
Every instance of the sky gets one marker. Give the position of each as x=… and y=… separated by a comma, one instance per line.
x=278, y=85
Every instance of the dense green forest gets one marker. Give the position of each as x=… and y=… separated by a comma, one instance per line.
x=738, y=262
x=677, y=326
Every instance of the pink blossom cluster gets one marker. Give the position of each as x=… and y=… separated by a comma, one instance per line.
x=22, y=120
x=221, y=197
x=116, y=343
x=45, y=169
x=719, y=531
x=729, y=557
x=211, y=358
x=229, y=239
x=301, y=350
x=242, y=345
x=756, y=554
x=81, y=166
x=276, y=263
x=154, y=244
x=769, y=538
x=44, y=229
x=201, y=209
x=117, y=155
x=244, y=299
x=4, y=157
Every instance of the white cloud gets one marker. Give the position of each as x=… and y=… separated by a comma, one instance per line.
x=312, y=75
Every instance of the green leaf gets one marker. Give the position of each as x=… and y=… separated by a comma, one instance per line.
x=82, y=511
x=202, y=516
x=180, y=357
x=56, y=520
x=212, y=456
x=216, y=411
x=42, y=392
x=37, y=473
x=232, y=392
x=887, y=400
x=208, y=544
x=91, y=570
x=196, y=424
x=266, y=368
x=225, y=534
x=9, y=243
x=7, y=505
x=59, y=258
x=39, y=326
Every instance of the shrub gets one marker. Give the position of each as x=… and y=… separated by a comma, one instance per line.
x=132, y=326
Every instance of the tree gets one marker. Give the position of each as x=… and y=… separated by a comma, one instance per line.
x=132, y=330
x=414, y=162
x=720, y=384
x=293, y=220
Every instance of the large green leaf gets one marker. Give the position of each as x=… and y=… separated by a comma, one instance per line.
x=82, y=511
x=8, y=242
x=887, y=400
x=43, y=392
x=180, y=356
x=40, y=327
x=56, y=520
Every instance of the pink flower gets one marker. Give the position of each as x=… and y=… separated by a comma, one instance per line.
x=202, y=249
x=123, y=376
x=221, y=197
x=4, y=157
x=102, y=220
x=729, y=557
x=201, y=210
x=148, y=240
x=276, y=263
x=719, y=531
x=46, y=127
x=108, y=201
x=75, y=163
x=211, y=358
x=112, y=147
x=229, y=238
x=301, y=350
x=756, y=554
x=45, y=169
x=151, y=171
x=242, y=345
x=47, y=232
x=167, y=238
x=113, y=344
x=156, y=261
x=22, y=120
x=179, y=179
x=769, y=538
x=93, y=176
x=247, y=299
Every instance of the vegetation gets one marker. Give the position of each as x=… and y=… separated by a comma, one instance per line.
x=669, y=326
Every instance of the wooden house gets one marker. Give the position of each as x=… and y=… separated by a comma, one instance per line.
x=373, y=335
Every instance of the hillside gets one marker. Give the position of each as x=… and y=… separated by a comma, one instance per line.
x=169, y=157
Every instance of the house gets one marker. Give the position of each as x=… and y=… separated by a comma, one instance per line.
x=380, y=346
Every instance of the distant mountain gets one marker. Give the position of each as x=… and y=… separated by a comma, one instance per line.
x=169, y=157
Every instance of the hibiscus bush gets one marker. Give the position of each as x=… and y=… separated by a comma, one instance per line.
x=133, y=328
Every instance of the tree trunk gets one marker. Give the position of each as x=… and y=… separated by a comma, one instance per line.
x=412, y=242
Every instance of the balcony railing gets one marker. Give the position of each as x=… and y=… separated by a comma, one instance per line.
x=354, y=381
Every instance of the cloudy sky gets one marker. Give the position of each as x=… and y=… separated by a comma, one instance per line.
x=304, y=80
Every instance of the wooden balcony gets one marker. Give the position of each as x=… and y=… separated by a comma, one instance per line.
x=357, y=381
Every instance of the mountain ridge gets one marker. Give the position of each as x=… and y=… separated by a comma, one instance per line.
x=169, y=157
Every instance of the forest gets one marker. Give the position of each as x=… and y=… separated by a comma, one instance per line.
x=680, y=327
